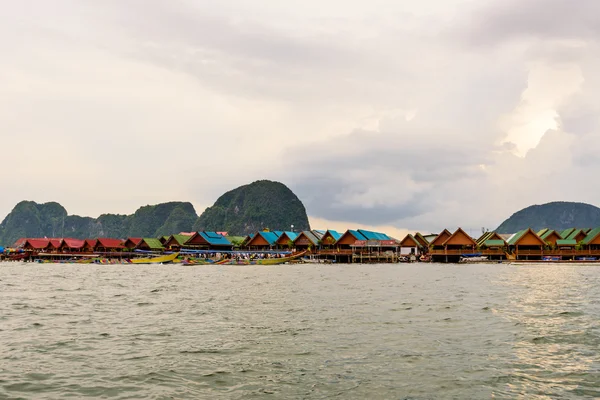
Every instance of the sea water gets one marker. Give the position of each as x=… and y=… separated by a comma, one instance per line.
x=402, y=331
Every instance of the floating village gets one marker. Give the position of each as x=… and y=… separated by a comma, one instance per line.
x=314, y=246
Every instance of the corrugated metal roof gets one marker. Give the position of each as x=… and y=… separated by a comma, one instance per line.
x=494, y=243
x=356, y=234
x=213, y=238
x=592, y=235
x=152, y=243
x=310, y=236
x=514, y=238
x=112, y=243
x=566, y=242
x=374, y=235
x=574, y=234
x=74, y=243
x=565, y=234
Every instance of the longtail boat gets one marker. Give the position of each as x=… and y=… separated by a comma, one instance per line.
x=262, y=261
x=155, y=260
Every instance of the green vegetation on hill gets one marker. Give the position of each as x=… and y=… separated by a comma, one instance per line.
x=30, y=219
x=557, y=215
x=262, y=204
x=249, y=208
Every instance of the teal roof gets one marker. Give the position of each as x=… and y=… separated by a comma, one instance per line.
x=591, y=236
x=494, y=243
x=566, y=242
x=335, y=234
x=291, y=235
x=357, y=235
x=215, y=239
x=374, y=235
x=270, y=237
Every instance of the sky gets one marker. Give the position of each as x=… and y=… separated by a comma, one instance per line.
x=392, y=115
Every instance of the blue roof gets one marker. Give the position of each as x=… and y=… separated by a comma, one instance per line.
x=335, y=234
x=320, y=231
x=357, y=235
x=291, y=235
x=215, y=239
x=270, y=237
x=374, y=235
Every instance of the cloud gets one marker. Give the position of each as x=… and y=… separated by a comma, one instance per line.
x=409, y=115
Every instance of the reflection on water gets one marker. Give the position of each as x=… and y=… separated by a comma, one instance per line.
x=305, y=331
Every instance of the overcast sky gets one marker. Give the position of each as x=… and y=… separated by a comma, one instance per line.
x=395, y=115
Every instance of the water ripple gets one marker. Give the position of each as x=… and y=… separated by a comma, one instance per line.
x=312, y=332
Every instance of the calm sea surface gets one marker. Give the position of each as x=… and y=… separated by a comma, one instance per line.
x=400, y=331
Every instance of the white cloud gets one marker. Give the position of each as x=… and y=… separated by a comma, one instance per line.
x=413, y=115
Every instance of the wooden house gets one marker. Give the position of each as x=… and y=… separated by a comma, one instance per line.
x=207, y=240
x=131, y=243
x=306, y=240
x=459, y=243
x=71, y=246
x=262, y=240
x=286, y=240
x=175, y=242
x=437, y=244
x=526, y=244
x=550, y=236
x=149, y=244
x=591, y=243
x=109, y=245
x=345, y=241
x=330, y=238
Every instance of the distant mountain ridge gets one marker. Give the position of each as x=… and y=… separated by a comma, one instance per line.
x=30, y=219
x=262, y=204
x=557, y=215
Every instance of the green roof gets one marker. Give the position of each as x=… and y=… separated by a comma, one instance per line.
x=181, y=239
x=591, y=236
x=548, y=233
x=484, y=237
x=565, y=234
x=153, y=243
x=574, y=234
x=494, y=243
x=543, y=232
x=515, y=238
x=566, y=242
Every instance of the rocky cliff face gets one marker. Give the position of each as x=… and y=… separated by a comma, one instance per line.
x=556, y=215
x=259, y=205
x=262, y=204
x=30, y=219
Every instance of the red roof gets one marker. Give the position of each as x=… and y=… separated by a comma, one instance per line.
x=20, y=242
x=74, y=243
x=110, y=243
x=56, y=242
x=222, y=233
x=36, y=243
x=90, y=242
x=135, y=241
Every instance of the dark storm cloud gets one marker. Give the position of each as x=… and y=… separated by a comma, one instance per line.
x=381, y=178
